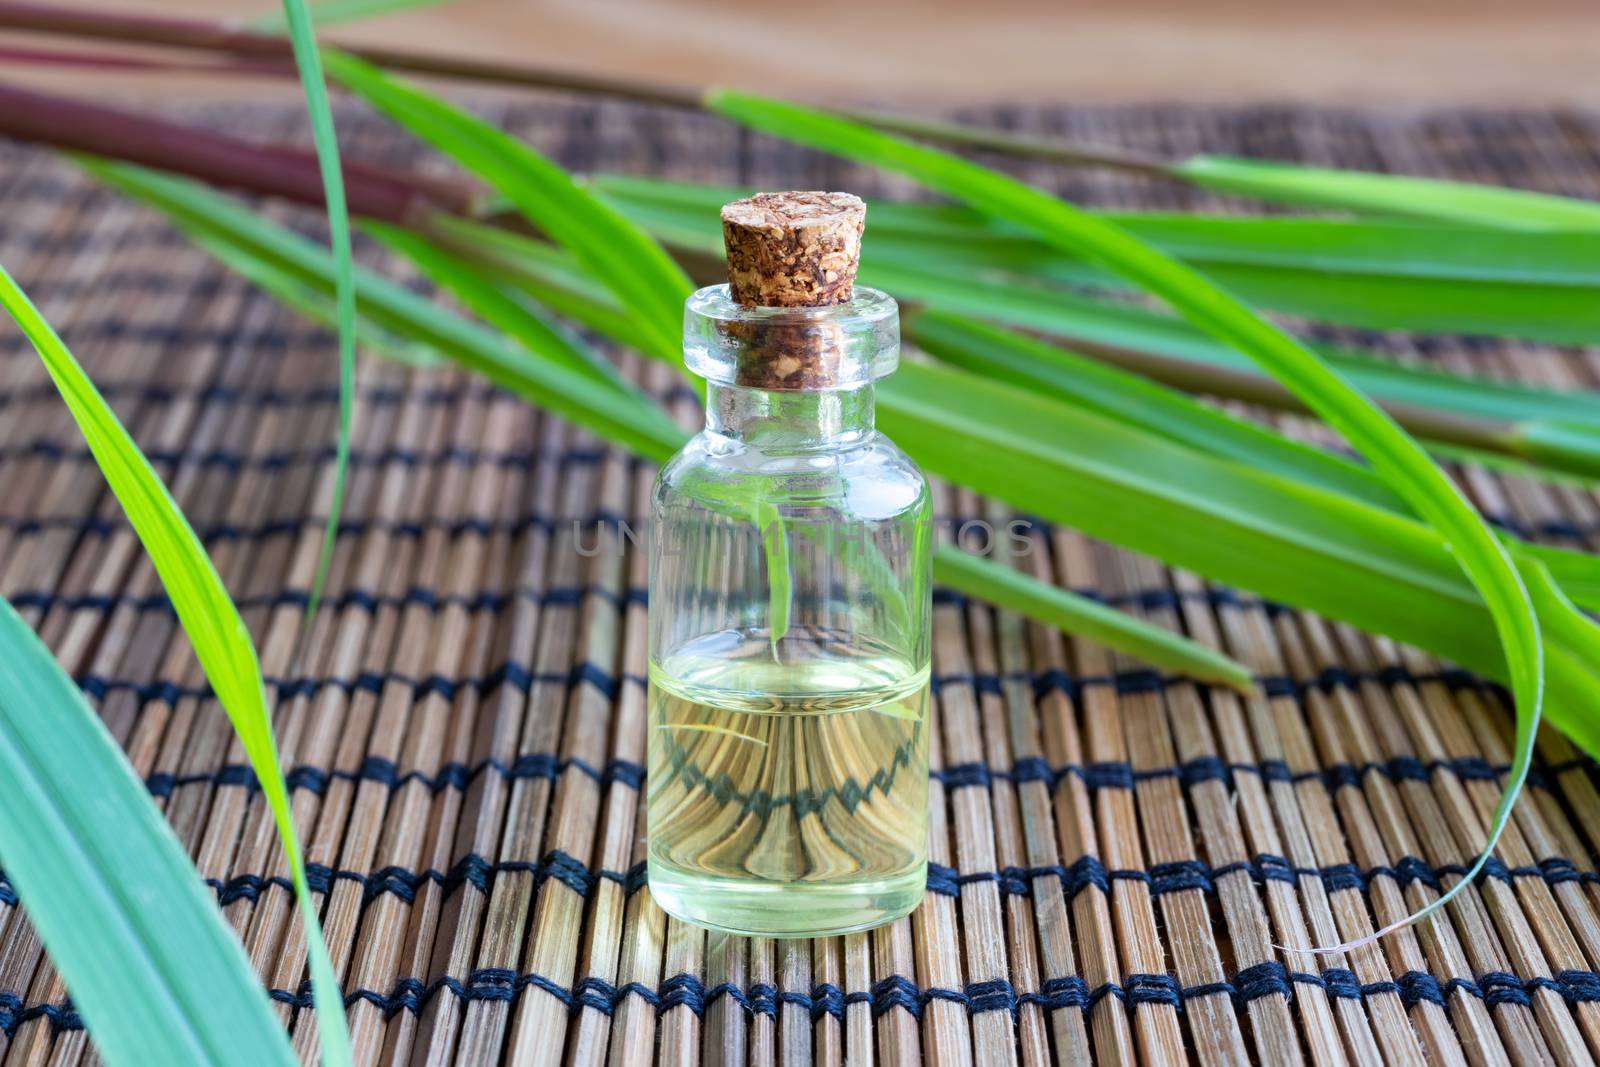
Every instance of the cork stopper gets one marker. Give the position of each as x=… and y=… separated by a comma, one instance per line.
x=794, y=249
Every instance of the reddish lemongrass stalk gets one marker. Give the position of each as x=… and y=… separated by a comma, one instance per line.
x=273, y=170
x=232, y=39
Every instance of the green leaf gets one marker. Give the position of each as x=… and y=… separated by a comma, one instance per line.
x=1561, y=445
x=221, y=641
x=644, y=278
x=1007, y=356
x=1388, y=194
x=1173, y=351
x=641, y=426
x=1368, y=273
x=156, y=984
x=1576, y=573
x=1401, y=249
x=1154, y=344
x=290, y=291
x=1009, y=588
x=1293, y=543
x=546, y=273
x=309, y=60
x=1399, y=459
x=1282, y=182
x=491, y=304
x=1144, y=404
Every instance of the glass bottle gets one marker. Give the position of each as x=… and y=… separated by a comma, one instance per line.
x=789, y=634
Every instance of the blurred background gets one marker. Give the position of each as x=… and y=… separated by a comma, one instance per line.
x=1358, y=52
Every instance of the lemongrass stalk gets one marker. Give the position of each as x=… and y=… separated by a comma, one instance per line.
x=218, y=159
x=239, y=40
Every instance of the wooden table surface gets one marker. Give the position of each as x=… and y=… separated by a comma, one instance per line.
x=1356, y=52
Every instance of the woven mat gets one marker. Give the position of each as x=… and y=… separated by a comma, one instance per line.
x=1115, y=853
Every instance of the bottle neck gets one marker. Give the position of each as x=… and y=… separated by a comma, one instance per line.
x=790, y=421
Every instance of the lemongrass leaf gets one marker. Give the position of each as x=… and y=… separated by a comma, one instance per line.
x=1372, y=274
x=545, y=273
x=1401, y=248
x=1561, y=445
x=610, y=247
x=1366, y=566
x=495, y=307
x=155, y=985
x=1133, y=334
x=1390, y=194
x=293, y=293
x=1576, y=574
x=309, y=61
x=1318, y=186
x=1322, y=572
x=1009, y=588
x=1398, y=249
x=1295, y=544
x=1007, y=356
x=218, y=635
x=641, y=426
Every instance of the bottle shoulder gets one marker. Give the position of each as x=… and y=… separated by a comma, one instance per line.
x=870, y=480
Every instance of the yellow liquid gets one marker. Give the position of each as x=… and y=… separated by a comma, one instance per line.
x=788, y=789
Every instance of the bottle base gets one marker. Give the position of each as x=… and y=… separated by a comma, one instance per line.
x=795, y=909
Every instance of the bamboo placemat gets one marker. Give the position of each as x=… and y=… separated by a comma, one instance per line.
x=1115, y=852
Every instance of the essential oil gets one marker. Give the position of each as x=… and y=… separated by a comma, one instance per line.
x=788, y=785
x=789, y=600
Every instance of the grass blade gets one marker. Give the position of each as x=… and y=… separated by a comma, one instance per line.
x=1007, y=356
x=497, y=308
x=1156, y=345
x=309, y=61
x=1398, y=458
x=1368, y=273
x=1561, y=445
x=544, y=272
x=1009, y=588
x=1295, y=544
x=219, y=637
x=1287, y=183
x=1389, y=194
x=167, y=985
x=640, y=426
x=645, y=279
x=1400, y=249
x=294, y=294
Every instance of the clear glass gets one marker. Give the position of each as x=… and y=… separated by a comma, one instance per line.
x=789, y=653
